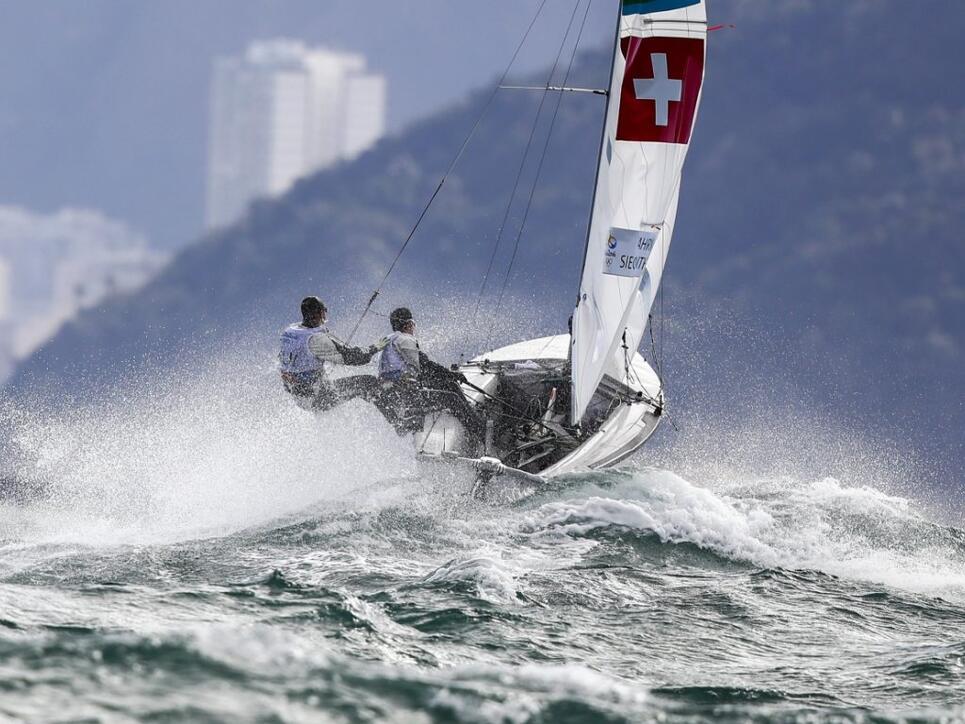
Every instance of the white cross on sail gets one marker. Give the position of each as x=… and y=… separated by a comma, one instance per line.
x=661, y=89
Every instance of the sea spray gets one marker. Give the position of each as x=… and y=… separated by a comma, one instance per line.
x=186, y=458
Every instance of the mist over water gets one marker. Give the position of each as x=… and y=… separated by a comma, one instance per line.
x=204, y=549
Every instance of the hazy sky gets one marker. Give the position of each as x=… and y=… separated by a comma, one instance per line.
x=104, y=103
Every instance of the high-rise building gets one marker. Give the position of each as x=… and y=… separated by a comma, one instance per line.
x=280, y=112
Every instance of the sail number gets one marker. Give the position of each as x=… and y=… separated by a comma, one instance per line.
x=627, y=251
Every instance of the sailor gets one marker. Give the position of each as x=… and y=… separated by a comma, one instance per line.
x=411, y=380
x=307, y=348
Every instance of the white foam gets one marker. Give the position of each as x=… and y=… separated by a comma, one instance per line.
x=518, y=693
x=258, y=649
x=853, y=532
x=492, y=578
x=670, y=507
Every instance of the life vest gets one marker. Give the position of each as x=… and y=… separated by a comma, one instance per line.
x=392, y=364
x=295, y=357
x=299, y=368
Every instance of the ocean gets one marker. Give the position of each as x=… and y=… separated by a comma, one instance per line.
x=241, y=561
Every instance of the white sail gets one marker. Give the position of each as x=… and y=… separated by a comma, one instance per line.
x=655, y=90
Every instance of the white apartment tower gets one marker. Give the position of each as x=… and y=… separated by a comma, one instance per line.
x=280, y=112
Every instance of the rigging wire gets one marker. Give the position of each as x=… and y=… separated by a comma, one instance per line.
x=663, y=286
x=519, y=173
x=452, y=165
x=542, y=158
x=653, y=347
x=660, y=363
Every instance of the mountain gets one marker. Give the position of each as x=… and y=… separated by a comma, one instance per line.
x=817, y=262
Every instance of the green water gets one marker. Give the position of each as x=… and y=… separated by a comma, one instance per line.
x=625, y=596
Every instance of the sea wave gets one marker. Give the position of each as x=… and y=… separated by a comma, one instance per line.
x=226, y=673
x=854, y=532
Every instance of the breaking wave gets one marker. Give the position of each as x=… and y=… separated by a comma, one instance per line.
x=852, y=532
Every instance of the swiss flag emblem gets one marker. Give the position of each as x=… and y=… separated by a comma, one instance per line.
x=658, y=100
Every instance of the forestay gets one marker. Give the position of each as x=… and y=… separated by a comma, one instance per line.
x=658, y=71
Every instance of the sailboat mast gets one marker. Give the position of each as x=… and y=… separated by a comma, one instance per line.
x=596, y=177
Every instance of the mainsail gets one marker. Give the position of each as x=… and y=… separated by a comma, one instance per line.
x=655, y=86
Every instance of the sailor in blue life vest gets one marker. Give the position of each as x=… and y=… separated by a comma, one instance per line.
x=306, y=350
x=410, y=380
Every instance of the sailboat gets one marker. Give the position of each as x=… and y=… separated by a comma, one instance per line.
x=588, y=399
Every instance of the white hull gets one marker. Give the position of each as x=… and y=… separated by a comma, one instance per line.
x=628, y=412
